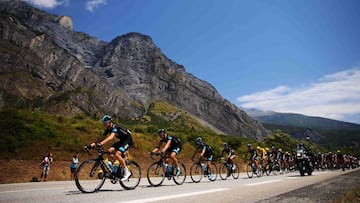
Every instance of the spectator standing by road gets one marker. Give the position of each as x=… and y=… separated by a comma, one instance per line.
x=73, y=165
x=45, y=164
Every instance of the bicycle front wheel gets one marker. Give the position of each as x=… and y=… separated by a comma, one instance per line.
x=181, y=178
x=267, y=169
x=223, y=171
x=249, y=171
x=86, y=176
x=235, y=172
x=196, y=172
x=212, y=172
x=133, y=181
x=156, y=174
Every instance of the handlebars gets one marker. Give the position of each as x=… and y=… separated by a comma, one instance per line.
x=153, y=155
x=99, y=148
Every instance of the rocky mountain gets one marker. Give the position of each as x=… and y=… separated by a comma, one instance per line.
x=47, y=65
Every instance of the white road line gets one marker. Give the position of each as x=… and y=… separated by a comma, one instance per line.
x=265, y=182
x=30, y=190
x=174, y=196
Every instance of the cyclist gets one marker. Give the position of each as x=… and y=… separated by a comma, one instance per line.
x=280, y=158
x=206, y=152
x=261, y=153
x=274, y=153
x=120, y=148
x=172, y=147
x=230, y=154
x=254, y=155
x=340, y=161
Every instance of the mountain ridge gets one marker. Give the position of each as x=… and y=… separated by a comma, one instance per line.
x=301, y=120
x=84, y=75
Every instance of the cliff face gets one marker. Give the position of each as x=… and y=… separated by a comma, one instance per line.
x=69, y=72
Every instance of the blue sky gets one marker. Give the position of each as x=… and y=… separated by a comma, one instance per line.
x=299, y=56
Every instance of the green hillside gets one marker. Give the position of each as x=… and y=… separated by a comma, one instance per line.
x=329, y=139
x=28, y=134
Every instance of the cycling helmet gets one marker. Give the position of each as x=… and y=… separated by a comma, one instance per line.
x=225, y=144
x=258, y=147
x=161, y=131
x=248, y=145
x=198, y=140
x=105, y=119
x=273, y=147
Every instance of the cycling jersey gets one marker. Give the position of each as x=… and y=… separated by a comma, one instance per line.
x=175, y=144
x=261, y=152
x=208, y=150
x=254, y=154
x=121, y=133
x=229, y=151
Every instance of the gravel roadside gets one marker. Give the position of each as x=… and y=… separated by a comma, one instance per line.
x=325, y=191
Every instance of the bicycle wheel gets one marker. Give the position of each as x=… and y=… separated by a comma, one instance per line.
x=196, y=172
x=133, y=181
x=275, y=170
x=235, y=171
x=181, y=178
x=249, y=171
x=223, y=171
x=267, y=169
x=212, y=172
x=86, y=176
x=156, y=174
x=260, y=171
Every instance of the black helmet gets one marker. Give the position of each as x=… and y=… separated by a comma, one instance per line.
x=161, y=131
x=105, y=119
x=225, y=144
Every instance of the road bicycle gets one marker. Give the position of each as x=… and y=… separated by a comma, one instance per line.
x=226, y=170
x=200, y=169
x=274, y=166
x=266, y=168
x=88, y=180
x=251, y=169
x=159, y=170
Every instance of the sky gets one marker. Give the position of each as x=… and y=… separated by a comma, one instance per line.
x=298, y=56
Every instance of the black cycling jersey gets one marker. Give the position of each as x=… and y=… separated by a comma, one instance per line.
x=175, y=142
x=208, y=149
x=121, y=133
x=252, y=152
x=229, y=151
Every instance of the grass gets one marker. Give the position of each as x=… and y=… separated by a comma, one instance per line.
x=28, y=135
x=351, y=196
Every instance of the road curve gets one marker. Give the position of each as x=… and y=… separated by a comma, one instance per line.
x=240, y=190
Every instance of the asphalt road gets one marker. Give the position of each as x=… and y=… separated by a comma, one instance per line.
x=263, y=189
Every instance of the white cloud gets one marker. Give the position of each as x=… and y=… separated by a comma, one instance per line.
x=335, y=96
x=47, y=3
x=92, y=4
